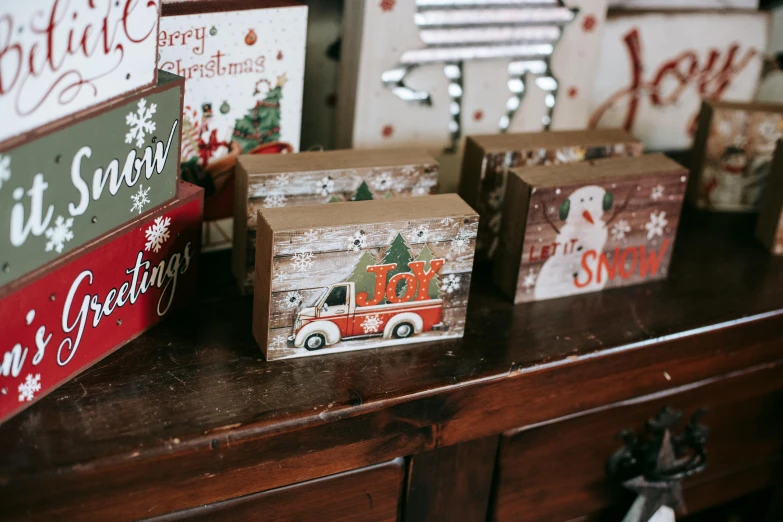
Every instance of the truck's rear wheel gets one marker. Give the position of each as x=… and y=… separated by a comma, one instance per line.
x=403, y=330
x=315, y=342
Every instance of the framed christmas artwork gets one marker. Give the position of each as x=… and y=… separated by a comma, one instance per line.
x=488, y=159
x=769, y=227
x=656, y=68
x=353, y=276
x=66, y=317
x=732, y=154
x=312, y=178
x=244, y=71
x=88, y=176
x=589, y=226
x=429, y=73
x=60, y=58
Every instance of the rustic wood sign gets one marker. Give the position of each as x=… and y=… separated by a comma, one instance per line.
x=361, y=275
x=59, y=58
x=590, y=226
x=769, y=228
x=321, y=177
x=732, y=154
x=62, y=319
x=82, y=180
x=656, y=68
x=489, y=157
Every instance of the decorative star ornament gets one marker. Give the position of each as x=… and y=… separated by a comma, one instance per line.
x=282, y=80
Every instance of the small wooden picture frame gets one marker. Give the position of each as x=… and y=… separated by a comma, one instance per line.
x=769, y=227
x=310, y=178
x=732, y=154
x=352, y=276
x=488, y=159
x=571, y=229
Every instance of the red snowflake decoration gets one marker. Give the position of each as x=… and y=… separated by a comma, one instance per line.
x=387, y=131
x=279, y=55
x=478, y=115
x=589, y=23
x=572, y=92
x=387, y=5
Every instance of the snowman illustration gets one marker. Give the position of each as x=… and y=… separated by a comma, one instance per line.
x=583, y=213
x=728, y=186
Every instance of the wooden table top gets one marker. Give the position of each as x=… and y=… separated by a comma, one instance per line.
x=192, y=389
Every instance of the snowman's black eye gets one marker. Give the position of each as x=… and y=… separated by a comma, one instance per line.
x=591, y=198
x=582, y=200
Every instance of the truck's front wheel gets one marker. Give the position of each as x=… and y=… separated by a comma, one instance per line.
x=315, y=342
x=403, y=330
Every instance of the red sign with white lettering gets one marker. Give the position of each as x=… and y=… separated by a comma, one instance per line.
x=59, y=322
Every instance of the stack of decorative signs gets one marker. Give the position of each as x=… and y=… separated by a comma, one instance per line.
x=98, y=238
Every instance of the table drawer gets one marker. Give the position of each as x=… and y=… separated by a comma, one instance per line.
x=556, y=471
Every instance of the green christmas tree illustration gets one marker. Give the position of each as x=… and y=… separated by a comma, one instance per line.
x=364, y=280
x=399, y=253
x=362, y=193
x=433, y=289
x=261, y=124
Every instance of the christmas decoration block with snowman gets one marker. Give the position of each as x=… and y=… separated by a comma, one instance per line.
x=351, y=276
x=63, y=318
x=243, y=63
x=60, y=58
x=590, y=226
x=732, y=154
x=87, y=176
x=320, y=177
x=488, y=159
x=769, y=227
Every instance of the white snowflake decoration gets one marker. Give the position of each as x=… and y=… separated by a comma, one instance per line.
x=59, y=234
x=274, y=200
x=421, y=233
x=620, y=230
x=278, y=342
x=656, y=224
x=311, y=236
x=5, y=169
x=292, y=299
x=769, y=130
x=383, y=182
x=529, y=281
x=303, y=261
x=325, y=186
x=461, y=243
x=408, y=170
x=282, y=180
x=420, y=188
x=371, y=323
x=30, y=386
x=140, y=199
x=657, y=193
x=451, y=283
x=157, y=234
x=446, y=221
x=140, y=122
x=357, y=241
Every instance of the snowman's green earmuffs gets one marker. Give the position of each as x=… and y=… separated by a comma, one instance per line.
x=565, y=206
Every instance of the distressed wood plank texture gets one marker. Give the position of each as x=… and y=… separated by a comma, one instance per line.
x=314, y=178
x=189, y=414
x=304, y=262
x=590, y=226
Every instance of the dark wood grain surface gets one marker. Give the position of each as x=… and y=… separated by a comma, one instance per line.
x=190, y=413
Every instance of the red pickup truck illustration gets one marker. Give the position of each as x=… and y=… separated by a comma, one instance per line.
x=342, y=314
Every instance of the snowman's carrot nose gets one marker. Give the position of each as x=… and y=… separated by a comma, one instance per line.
x=588, y=217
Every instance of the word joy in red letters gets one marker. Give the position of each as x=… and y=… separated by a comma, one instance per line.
x=624, y=263
x=418, y=276
x=710, y=76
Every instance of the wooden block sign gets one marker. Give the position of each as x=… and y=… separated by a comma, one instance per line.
x=656, y=68
x=733, y=153
x=80, y=181
x=351, y=276
x=59, y=58
x=489, y=157
x=62, y=319
x=321, y=177
x=590, y=226
x=769, y=228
